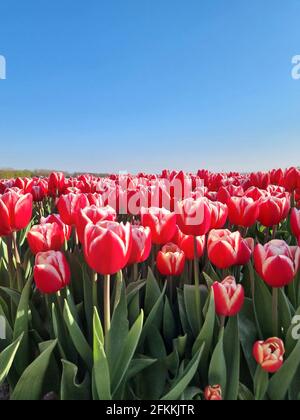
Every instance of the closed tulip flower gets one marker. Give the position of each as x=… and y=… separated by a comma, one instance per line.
x=45, y=237
x=51, y=272
x=229, y=297
x=224, y=248
x=69, y=206
x=55, y=218
x=56, y=184
x=213, y=393
x=170, y=260
x=141, y=244
x=219, y=214
x=161, y=222
x=243, y=211
x=186, y=244
x=94, y=215
x=245, y=251
x=107, y=246
x=194, y=216
x=295, y=222
x=269, y=354
x=15, y=212
x=277, y=263
x=273, y=210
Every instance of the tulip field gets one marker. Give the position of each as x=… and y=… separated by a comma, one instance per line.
x=171, y=286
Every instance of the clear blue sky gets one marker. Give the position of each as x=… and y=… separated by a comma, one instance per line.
x=145, y=84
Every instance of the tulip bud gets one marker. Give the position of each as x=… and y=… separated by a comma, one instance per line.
x=219, y=214
x=107, y=246
x=295, y=222
x=213, y=393
x=161, y=222
x=224, y=248
x=229, y=297
x=141, y=244
x=51, y=272
x=170, y=260
x=46, y=237
x=277, y=263
x=69, y=206
x=194, y=216
x=56, y=184
x=269, y=354
x=186, y=244
x=15, y=212
x=272, y=210
x=94, y=215
x=243, y=211
x=55, y=218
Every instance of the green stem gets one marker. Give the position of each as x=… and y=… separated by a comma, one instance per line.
x=95, y=289
x=18, y=262
x=107, y=314
x=275, y=312
x=197, y=282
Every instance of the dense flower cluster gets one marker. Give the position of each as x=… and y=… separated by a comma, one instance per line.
x=229, y=225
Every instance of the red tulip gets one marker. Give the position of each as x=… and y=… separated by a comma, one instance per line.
x=15, y=212
x=107, y=246
x=243, y=211
x=161, y=222
x=224, y=248
x=245, y=251
x=213, y=393
x=260, y=179
x=229, y=297
x=94, y=215
x=219, y=214
x=225, y=193
x=194, y=216
x=141, y=244
x=51, y=272
x=56, y=184
x=170, y=260
x=277, y=263
x=186, y=244
x=69, y=206
x=273, y=210
x=291, y=179
x=295, y=222
x=55, y=218
x=45, y=237
x=269, y=354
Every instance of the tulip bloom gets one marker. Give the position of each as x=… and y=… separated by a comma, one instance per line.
x=194, y=216
x=15, y=212
x=213, y=393
x=229, y=297
x=161, y=222
x=226, y=249
x=219, y=214
x=69, y=206
x=269, y=354
x=56, y=183
x=46, y=237
x=277, y=263
x=170, y=260
x=186, y=244
x=107, y=246
x=295, y=222
x=243, y=211
x=141, y=244
x=51, y=272
x=55, y=218
x=272, y=210
x=94, y=215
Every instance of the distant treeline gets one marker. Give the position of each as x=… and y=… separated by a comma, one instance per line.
x=13, y=173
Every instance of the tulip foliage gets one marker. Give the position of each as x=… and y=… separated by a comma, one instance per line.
x=151, y=287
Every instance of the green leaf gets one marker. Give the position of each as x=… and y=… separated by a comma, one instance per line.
x=152, y=292
x=7, y=358
x=125, y=357
x=101, y=368
x=191, y=308
x=217, y=369
x=281, y=381
x=232, y=356
x=169, y=325
x=244, y=393
x=183, y=381
x=138, y=365
x=78, y=338
x=22, y=327
x=30, y=385
x=261, y=383
x=263, y=306
x=206, y=337
x=71, y=390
